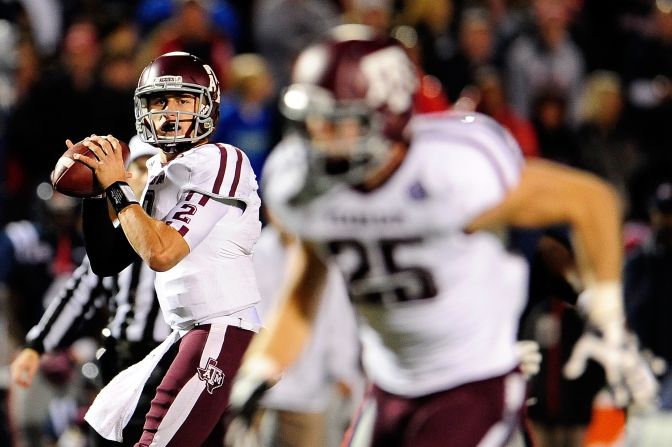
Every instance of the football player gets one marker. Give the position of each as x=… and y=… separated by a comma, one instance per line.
x=196, y=227
x=412, y=211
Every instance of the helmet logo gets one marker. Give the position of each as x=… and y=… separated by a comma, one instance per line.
x=214, y=84
x=391, y=79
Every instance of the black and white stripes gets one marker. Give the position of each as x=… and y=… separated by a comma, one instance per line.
x=132, y=302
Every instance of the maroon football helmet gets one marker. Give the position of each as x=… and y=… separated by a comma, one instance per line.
x=360, y=84
x=183, y=73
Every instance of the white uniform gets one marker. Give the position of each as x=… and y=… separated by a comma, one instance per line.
x=216, y=278
x=200, y=193
x=439, y=307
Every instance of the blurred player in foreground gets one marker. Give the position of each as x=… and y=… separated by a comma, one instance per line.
x=412, y=211
x=197, y=227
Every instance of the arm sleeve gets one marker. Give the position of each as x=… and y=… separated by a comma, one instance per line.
x=107, y=247
x=74, y=304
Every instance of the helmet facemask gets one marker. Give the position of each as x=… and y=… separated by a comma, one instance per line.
x=344, y=140
x=202, y=123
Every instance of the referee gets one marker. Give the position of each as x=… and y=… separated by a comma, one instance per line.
x=136, y=324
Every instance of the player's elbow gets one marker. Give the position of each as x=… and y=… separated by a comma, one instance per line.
x=604, y=196
x=165, y=258
x=161, y=262
x=164, y=253
x=598, y=201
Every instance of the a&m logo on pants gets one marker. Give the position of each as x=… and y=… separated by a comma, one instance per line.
x=211, y=375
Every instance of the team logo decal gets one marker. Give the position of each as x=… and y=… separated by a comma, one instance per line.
x=211, y=375
x=417, y=191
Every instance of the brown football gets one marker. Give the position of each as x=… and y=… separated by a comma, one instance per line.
x=74, y=178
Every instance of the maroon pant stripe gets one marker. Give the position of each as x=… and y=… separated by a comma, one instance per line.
x=203, y=425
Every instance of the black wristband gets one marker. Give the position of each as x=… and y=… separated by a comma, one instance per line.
x=120, y=196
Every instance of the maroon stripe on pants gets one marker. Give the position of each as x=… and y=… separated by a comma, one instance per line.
x=202, y=426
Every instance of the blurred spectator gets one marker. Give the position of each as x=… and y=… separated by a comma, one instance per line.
x=430, y=96
x=647, y=76
x=223, y=16
x=247, y=115
x=648, y=286
x=45, y=20
x=374, y=13
x=494, y=103
x=647, y=73
x=37, y=255
x=606, y=147
x=282, y=28
x=544, y=58
x=557, y=139
x=119, y=66
x=38, y=252
x=64, y=103
x=433, y=21
x=508, y=18
x=601, y=30
x=475, y=50
x=191, y=28
x=9, y=36
x=562, y=409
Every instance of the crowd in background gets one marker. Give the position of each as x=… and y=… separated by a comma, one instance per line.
x=587, y=83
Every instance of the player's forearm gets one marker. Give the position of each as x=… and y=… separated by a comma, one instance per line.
x=291, y=325
x=283, y=339
x=158, y=244
x=597, y=236
x=552, y=194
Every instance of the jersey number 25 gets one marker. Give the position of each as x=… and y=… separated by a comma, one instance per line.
x=373, y=275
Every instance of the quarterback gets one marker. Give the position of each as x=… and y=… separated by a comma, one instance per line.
x=413, y=209
x=196, y=228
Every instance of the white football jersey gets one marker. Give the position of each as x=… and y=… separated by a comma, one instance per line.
x=201, y=194
x=438, y=307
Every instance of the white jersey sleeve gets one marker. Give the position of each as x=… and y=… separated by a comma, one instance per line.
x=217, y=182
x=473, y=166
x=216, y=170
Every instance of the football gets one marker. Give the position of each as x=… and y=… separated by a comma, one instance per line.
x=73, y=178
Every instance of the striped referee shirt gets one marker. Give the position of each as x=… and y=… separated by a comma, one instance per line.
x=130, y=296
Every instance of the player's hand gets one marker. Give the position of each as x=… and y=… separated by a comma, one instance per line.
x=108, y=163
x=24, y=367
x=254, y=378
x=529, y=357
x=628, y=372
